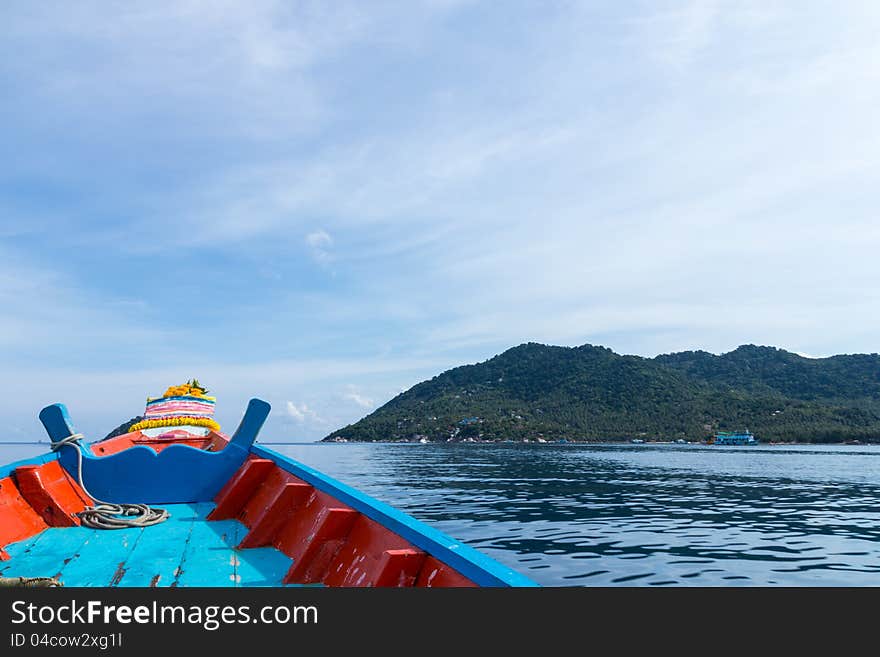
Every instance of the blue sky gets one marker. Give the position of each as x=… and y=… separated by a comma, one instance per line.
x=322, y=204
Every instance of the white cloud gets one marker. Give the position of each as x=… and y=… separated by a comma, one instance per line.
x=682, y=34
x=49, y=311
x=299, y=413
x=224, y=69
x=319, y=242
x=359, y=399
x=319, y=239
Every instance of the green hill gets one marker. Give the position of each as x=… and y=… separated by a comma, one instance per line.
x=592, y=393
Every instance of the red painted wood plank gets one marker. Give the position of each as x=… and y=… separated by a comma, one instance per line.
x=213, y=442
x=52, y=493
x=114, y=445
x=362, y=560
x=19, y=520
x=264, y=528
x=389, y=568
x=313, y=538
x=238, y=490
x=398, y=567
x=436, y=573
x=295, y=533
x=216, y=442
x=264, y=495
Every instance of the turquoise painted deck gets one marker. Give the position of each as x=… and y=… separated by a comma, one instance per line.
x=186, y=550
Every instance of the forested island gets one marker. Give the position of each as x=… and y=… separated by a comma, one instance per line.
x=589, y=393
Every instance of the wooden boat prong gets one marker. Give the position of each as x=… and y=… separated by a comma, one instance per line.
x=176, y=474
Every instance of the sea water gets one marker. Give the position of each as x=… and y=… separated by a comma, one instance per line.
x=637, y=515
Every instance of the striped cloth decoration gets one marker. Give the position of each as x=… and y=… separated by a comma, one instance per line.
x=179, y=406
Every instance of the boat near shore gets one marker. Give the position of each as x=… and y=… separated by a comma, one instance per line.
x=176, y=502
x=734, y=438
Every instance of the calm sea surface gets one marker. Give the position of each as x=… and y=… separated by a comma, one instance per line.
x=634, y=515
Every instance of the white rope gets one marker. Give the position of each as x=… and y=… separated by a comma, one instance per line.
x=107, y=515
x=30, y=582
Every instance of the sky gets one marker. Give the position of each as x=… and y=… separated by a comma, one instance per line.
x=324, y=203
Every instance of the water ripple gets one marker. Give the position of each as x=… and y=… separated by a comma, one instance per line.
x=642, y=515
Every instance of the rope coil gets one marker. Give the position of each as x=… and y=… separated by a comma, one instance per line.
x=109, y=515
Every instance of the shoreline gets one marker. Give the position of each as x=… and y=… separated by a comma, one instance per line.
x=697, y=443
